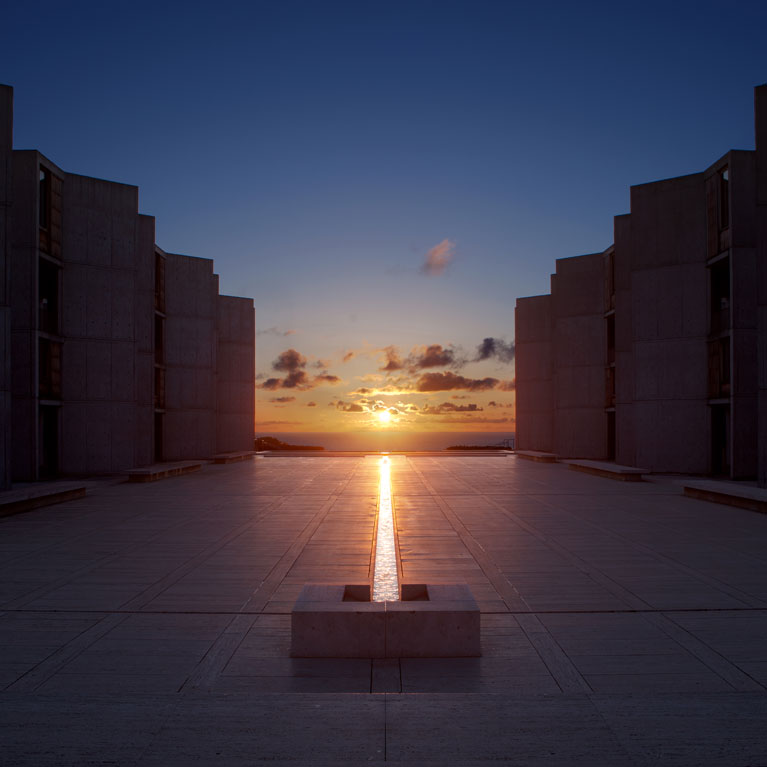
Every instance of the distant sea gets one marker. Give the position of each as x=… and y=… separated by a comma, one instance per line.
x=388, y=440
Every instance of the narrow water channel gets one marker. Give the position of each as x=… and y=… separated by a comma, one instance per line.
x=385, y=577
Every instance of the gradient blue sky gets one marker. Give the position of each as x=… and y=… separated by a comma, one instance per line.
x=318, y=150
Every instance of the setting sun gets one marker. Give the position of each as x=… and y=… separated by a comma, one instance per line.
x=384, y=416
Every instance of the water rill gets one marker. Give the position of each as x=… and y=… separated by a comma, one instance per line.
x=383, y=618
x=385, y=576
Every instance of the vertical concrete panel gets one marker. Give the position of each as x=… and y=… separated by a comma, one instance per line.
x=190, y=341
x=22, y=245
x=235, y=374
x=669, y=311
x=579, y=357
x=101, y=256
x=762, y=319
x=534, y=392
x=6, y=146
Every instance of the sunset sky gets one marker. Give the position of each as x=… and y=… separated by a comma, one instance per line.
x=384, y=179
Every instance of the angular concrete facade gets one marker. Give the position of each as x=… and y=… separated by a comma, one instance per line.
x=112, y=343
x=679, y=330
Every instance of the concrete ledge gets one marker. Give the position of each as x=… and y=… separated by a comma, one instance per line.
x=750, y=498
x=609, y=470
x=162, y=471
x=535, y=455
x=336, y=620
x=35, y=497
x=245, y=455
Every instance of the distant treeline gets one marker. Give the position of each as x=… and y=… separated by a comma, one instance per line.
x=272, y=443
x=475, y=447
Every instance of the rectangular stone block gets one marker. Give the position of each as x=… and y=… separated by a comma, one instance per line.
x=330, y=621
x=443, y=622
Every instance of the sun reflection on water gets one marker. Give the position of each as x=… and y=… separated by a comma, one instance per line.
x=385, y=579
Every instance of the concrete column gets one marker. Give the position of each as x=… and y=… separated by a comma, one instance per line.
x=534, y=393
x=6, y=146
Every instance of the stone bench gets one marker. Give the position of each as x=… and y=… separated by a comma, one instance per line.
x=162, y=471
x=535, y=455
x=609, y=470
x=36, y=496
x=244, y=455
x=744, y=497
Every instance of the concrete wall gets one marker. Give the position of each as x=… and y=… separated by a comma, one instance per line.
x=669, y=311
x=579, y=353
x=190, y=332
x=625, y=443
x=235, y=384
x=760, y=111
x=104, y=324
x=743, y=301
x=6, y=146
x=535, y=388
x=23, y=252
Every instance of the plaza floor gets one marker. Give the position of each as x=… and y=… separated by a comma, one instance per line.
x=149, y=624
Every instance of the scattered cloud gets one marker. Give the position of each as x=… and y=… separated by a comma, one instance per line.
x=274, y=331
x=448, y=381
x=294, y=363
x=326, y=378
x=495, y=348
x=350, y=355
x=279, y=423
x=507, y=385
x=450, y=407
x=311, y=404
x=392, y=359
x=321, y=364
x=438, y=258
x=349, y=407
x=289, y=361
x=282, y=399
x=432, y=356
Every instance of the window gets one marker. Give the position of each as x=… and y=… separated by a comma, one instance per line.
x=48, y=296
x=45, y=198
x=724, y=198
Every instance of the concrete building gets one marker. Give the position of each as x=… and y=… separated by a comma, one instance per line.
x=121, y=355
x=674, y=316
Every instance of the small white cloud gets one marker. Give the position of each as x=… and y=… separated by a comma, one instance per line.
x=438, y=258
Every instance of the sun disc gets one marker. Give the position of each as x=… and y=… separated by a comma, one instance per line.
x=384, y=416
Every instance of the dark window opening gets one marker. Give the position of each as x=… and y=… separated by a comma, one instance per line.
x=719, y=368
x=611, y=436
x=724, y=198
x=48, y=296
x=158, y=447
x=49, y=366
x=610, y=282
x=49, y=442
x=159, y=340
x=611, y=340
x=159, y=388
x=720, y=296
x=159, y=282
x=45, y=198
x=720, y=440
x=610, y=387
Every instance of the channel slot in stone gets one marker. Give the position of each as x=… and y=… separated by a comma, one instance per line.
x=385, y=576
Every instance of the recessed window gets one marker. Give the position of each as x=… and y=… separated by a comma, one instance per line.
x=45, y=198
x=724, y=198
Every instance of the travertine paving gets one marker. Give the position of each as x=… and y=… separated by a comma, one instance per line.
x=149, y=624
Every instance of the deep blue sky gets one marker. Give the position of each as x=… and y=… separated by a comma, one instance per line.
x=318, y=150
